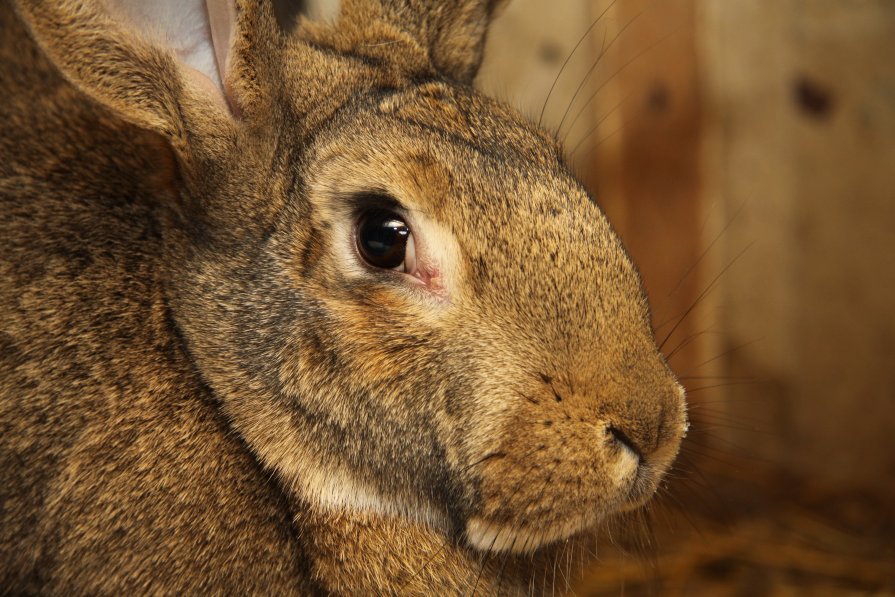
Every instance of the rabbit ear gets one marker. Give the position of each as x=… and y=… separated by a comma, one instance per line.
x=165, y=65
x=198, y=32
x=452, y=32
x=457, y=36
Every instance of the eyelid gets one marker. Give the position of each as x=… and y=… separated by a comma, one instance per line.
x=374, y=199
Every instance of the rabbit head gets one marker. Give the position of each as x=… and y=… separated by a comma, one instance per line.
x=404, y=301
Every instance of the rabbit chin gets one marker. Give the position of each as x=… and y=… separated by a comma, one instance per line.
x=527, y=536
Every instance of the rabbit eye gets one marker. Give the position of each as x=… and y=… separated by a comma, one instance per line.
x=384, y=240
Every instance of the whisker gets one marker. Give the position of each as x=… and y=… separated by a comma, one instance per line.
x=723, y=354
x=506, y=558
x=714, y=414
x=702, y=495
x=560, y=556
x=569, y=57
x=724, y=377
x=704, y=293
x=715, y=458
x=599, y=122
x=596, y=145
x=426, y=564
x=708, y=248
x=522, y=479
x=732, y=399
x=717, y=420
x=485, y=459
x=722, y=385
x=568, y=573
x=593, y=66
x=636, y=57
x=722, y=425
x=527, y=397
x=689, y=340
x=447, y=540
x=740, y=451
x=683, y=510
x=705, y=495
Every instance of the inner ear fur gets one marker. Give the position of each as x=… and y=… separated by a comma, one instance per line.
x=135, y=68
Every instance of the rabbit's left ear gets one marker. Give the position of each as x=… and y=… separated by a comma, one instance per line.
x=171, y=66
x=450, y=32
x=198, y=32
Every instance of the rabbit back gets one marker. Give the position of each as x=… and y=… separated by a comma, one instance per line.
x=118, y=470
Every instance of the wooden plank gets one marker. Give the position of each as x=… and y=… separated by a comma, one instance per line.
x=646, y=161
x=803, y=131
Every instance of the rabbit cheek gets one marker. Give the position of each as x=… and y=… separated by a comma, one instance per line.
x=553, y=476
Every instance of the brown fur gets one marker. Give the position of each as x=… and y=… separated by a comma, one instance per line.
x=187, y=360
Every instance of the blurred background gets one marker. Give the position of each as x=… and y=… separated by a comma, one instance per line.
x=745, y=152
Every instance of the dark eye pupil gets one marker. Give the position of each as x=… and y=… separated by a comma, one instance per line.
x=382, y=239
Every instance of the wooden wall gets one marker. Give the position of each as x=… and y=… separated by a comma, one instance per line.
x=755, y=141
x=801, y=126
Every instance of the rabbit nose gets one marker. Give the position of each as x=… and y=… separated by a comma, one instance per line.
x=622, y=438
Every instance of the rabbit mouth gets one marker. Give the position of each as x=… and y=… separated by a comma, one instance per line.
x=534, y=531
x=627, y=481
x=643, y=488
x=491, y=536
x=650, y=472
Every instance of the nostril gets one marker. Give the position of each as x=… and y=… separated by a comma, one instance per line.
x=626, y=441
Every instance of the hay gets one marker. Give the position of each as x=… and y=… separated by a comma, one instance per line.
x=768, y=534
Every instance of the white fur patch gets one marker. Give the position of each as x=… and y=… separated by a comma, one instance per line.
x=323, y=10
x=625, y=468
x=488, y=536
x=338, y=491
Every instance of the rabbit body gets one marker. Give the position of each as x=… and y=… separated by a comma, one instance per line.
x=203, y=391
x=111, y=444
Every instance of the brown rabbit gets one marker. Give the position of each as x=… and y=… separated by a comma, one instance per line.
x=301, y=313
